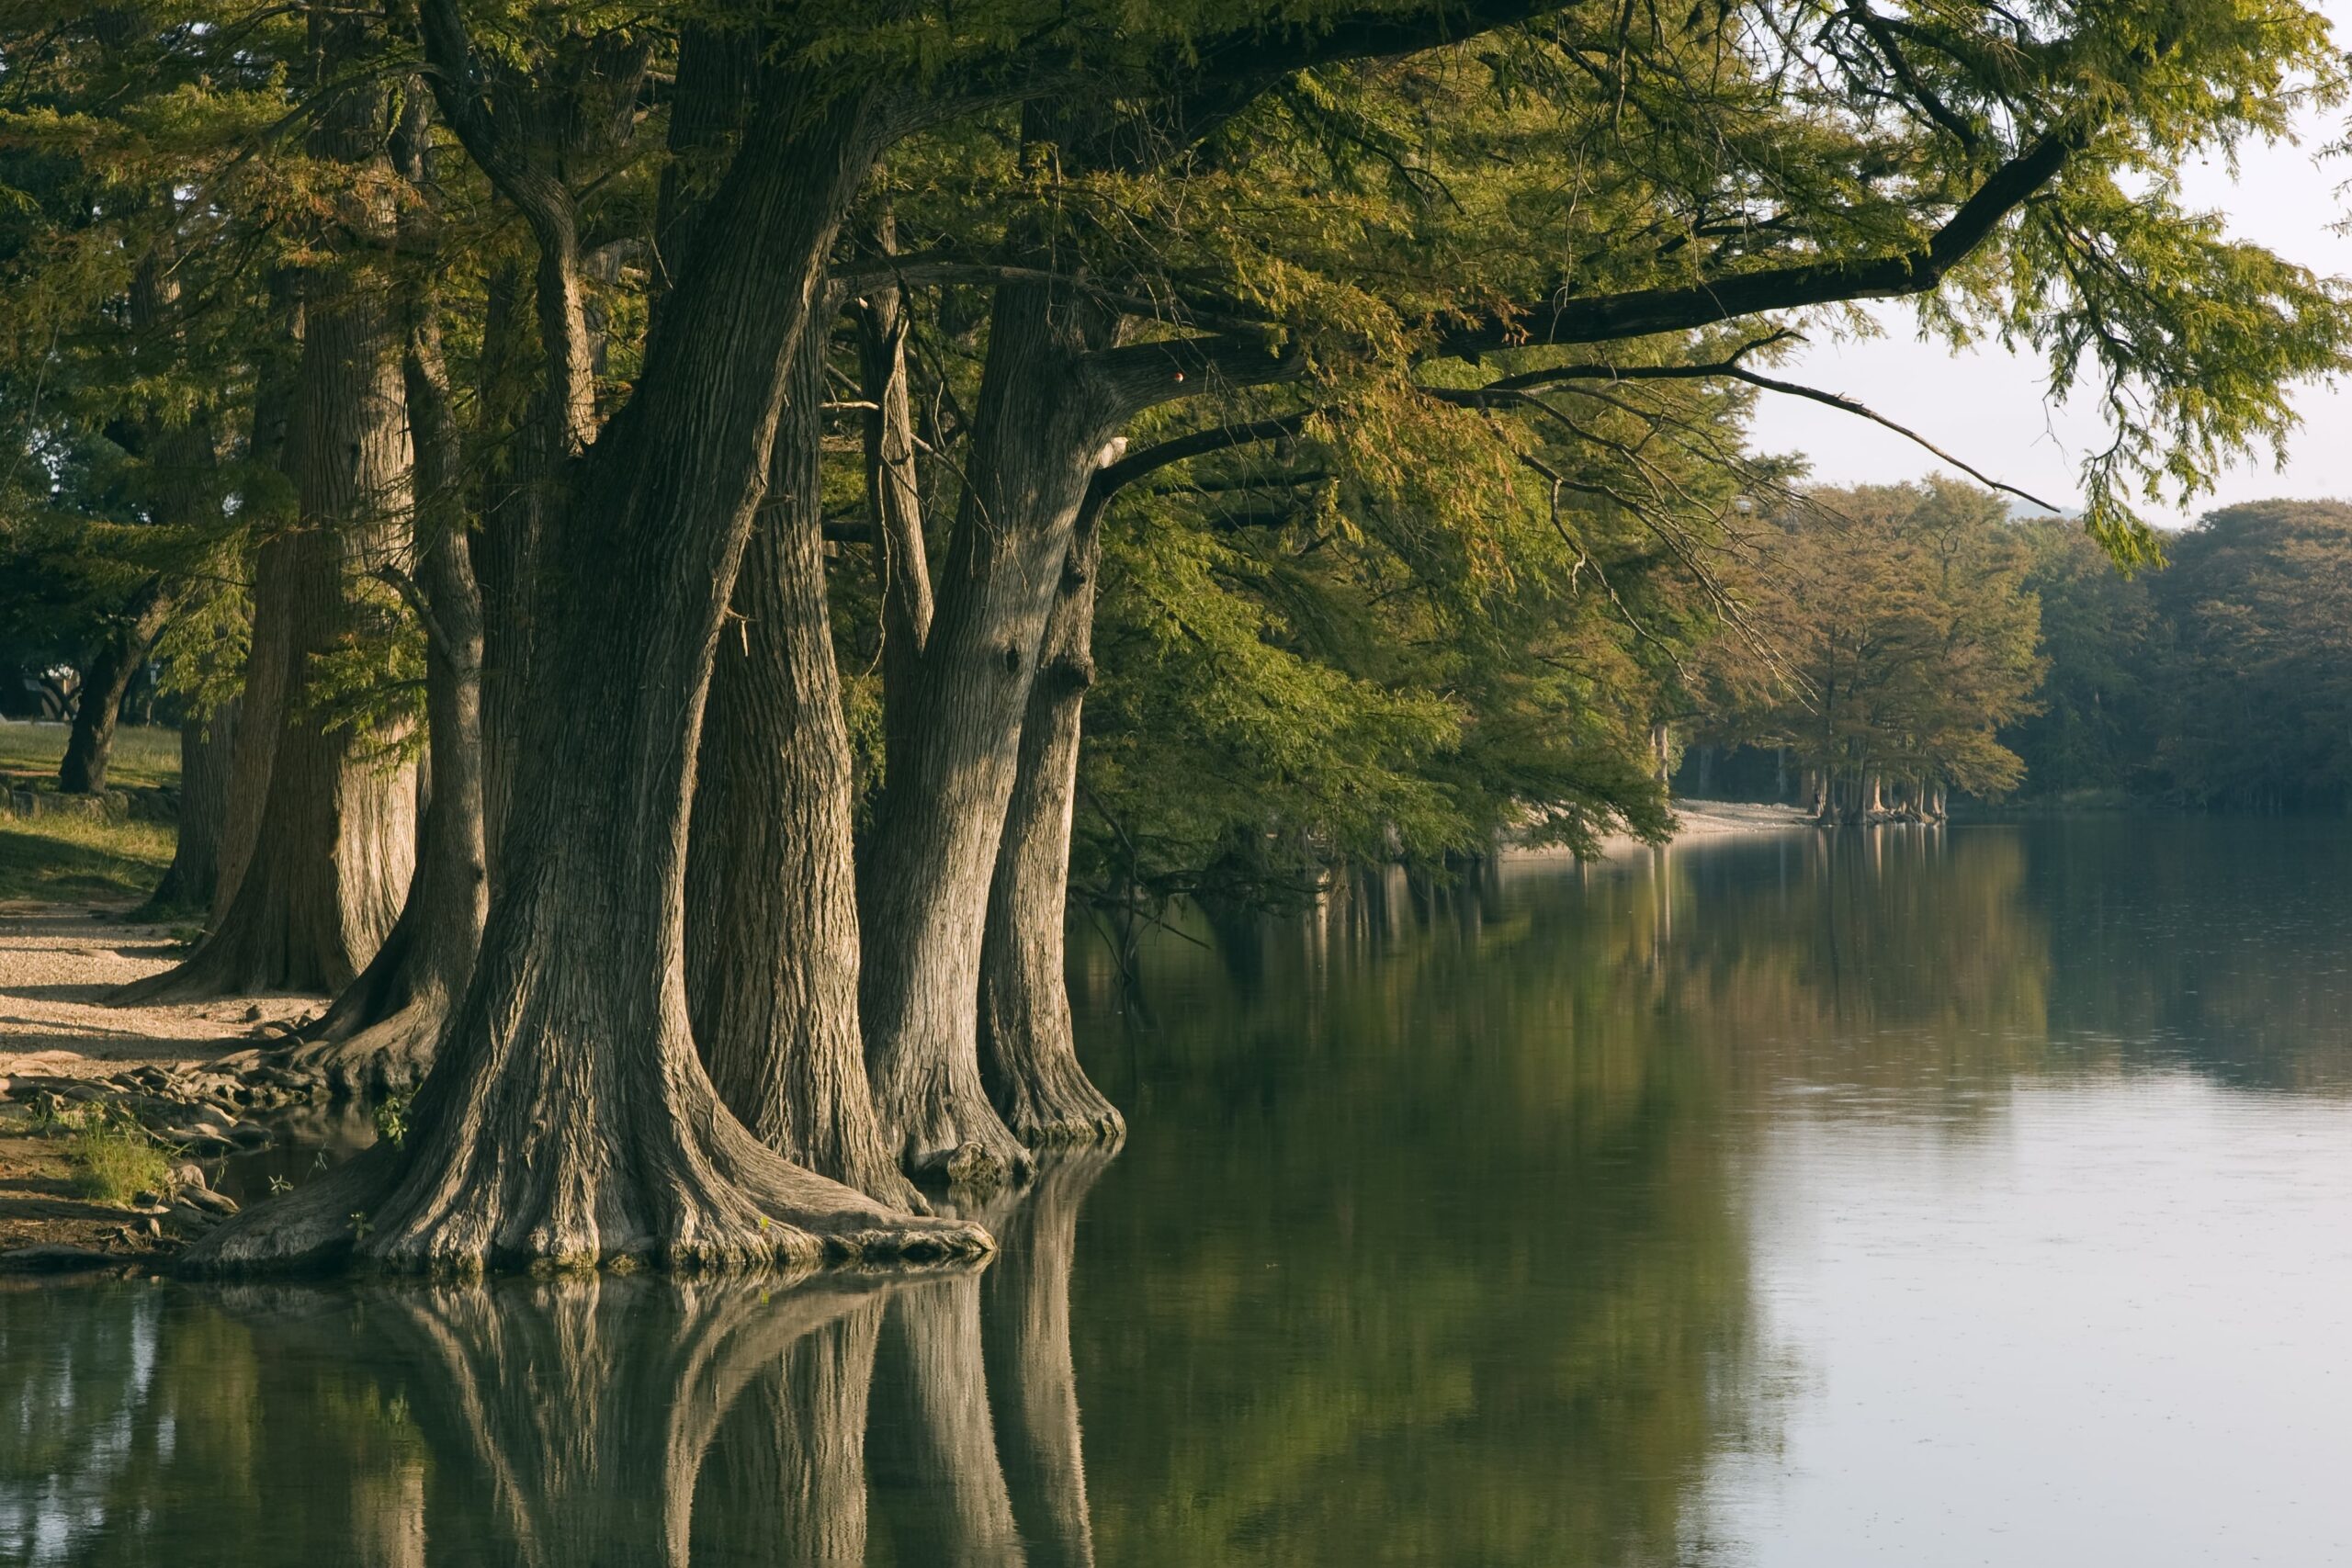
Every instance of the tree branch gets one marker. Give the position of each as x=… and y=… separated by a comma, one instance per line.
x=1644, y=311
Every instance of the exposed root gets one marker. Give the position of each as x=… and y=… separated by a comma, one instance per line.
x=733, y=1206
x=957, y=1140
x=388, y=1057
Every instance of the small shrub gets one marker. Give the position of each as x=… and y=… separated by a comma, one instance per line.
x=390, y=1116
x=112, y=1162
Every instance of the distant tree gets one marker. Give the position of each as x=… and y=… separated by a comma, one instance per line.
x=1893, y=635
x=2258, y=682
x=2095, y=724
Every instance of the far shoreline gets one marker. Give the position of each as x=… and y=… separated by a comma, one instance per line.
x=1694, y=819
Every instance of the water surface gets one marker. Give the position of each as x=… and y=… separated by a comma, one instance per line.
x=1972, y=1196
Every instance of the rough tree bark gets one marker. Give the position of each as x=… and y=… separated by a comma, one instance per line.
x=1028, y=1054
x=332, y=847
x=567, y=1119
x=952, y=733
x=378, y=1035
x=771, y=933
x=106, y=674
x=208, y=743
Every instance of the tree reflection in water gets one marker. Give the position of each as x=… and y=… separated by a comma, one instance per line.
x=572, y=1423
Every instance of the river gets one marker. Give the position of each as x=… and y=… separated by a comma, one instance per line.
x=1952, y=1196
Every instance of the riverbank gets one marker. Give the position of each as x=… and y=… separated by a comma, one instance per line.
x=1694, y=819
x=186, y=1082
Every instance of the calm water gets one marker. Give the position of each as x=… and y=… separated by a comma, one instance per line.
x=1977, y=1197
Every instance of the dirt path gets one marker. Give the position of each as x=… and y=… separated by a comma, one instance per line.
x=58, y=965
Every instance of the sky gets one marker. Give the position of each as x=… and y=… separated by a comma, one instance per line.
x=1989, y=408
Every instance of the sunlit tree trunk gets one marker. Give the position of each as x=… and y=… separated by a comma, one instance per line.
x=771, y=933
x=1028, y=1053
x=107, y=675
x=954, y=732
x=327, y=862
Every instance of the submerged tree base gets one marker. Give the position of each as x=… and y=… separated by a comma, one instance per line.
x=792, y=1220
x=536, y=1149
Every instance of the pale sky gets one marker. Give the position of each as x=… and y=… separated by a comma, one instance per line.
x=1989, y=408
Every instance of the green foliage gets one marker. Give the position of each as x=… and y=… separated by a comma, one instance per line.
x=1893, y=637
x=390, y=1115
x=2098, y=706
x=114, y=1158
x=2218, y=681
x=2259, y=670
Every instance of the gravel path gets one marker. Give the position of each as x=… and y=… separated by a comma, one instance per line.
x=57, y=967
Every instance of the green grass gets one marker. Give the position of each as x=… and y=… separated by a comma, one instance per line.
x=144, y=753
x=71, y=860
x=113, y=1164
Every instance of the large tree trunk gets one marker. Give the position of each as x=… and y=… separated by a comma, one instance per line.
x=772, y=936
x=952, y=737
x=567, y=1119
x=106, y=674
x=378, y=1036
x=333, y=846
x=505, y=549
x=1028, y=1054
x=208, y=743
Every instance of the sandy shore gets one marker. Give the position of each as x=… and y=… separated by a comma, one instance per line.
x=1694, y=819
x=57, y=967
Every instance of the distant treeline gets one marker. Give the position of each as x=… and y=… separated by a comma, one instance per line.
x=2225, y=679
x=1913, y=638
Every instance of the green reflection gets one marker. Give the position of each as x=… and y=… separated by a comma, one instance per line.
x=1437, y=1241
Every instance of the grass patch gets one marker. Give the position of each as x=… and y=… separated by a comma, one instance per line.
x=113, y=1163
x=144, y=753
x=71, y=859
x=110, y=1155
